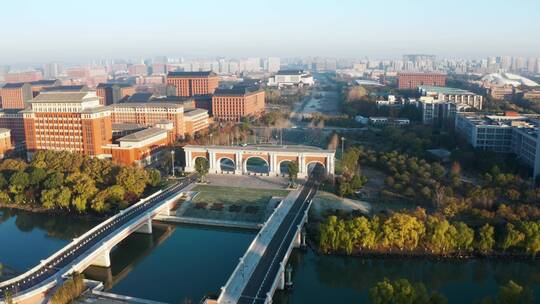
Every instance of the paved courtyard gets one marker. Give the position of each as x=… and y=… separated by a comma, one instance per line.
x=247, y=181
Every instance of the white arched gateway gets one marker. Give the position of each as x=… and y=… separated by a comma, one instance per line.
x=234, y=159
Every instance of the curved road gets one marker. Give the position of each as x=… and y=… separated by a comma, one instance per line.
x=73, y=251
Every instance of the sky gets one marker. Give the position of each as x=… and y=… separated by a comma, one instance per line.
x=62, y=30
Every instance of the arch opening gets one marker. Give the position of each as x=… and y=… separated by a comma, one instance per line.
x=257, y=164
x=284, y=167
x=226, y=165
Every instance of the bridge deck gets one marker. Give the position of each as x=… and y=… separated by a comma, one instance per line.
x=49, y=270
x=260, y=278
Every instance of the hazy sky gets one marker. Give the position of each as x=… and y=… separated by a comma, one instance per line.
x=37, y=30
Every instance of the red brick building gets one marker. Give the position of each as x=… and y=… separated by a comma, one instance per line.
x=142, y=147
x=189, y=84
x=40, y=85
x=414, y=80
x=71, y=121
x=23, y=76
x=111, y=93
x=233, y=104
x=13, y=120
x=149, y=114
x=15, y=95
x=5, y=142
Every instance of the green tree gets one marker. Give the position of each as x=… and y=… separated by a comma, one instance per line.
x=485, y=239
x=403, y=292
x=465, y=237
x=292, y=171
x=512, y=293
x=154, y=177
x=83, y=189
x=512, y=237
x=532, y=237
x=133, y=180
x=201, y=166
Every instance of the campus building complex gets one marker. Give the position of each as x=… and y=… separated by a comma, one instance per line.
x=190, y=84
x=509, y=133
x=111, y=93
x=414, y=80
x=15, y=95
x=457, y=96
x=234, y=104
x=440, y=104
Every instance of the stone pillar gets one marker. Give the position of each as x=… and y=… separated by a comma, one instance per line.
x=146, y=227
x=281, y=277
x=302, y=170
x=103, y=259
x=238, y=164
x=330, y=165
x=298, y=237
x=273, y=170
x=212, y=162
x=189, y=162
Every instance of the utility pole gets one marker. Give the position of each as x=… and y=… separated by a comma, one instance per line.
x=342, y=146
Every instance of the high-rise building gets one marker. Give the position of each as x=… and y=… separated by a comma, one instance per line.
x=70, y=121
x=189, y=84
x=234, y=104
x=413, y=80
x=51, y=70
x=15, y=95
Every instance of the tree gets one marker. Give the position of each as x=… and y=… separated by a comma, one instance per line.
x=512, y=293
x=201, y=166
x=532, y=237
x=485, y=240
x=403, y=292
x=133, y=180
x=154, y=177
x=83, y=189
x=465, y=237
x=292, y=170
x=512, y=237
x=18, y=183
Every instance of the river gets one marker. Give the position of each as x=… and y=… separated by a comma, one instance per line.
x=178, y=264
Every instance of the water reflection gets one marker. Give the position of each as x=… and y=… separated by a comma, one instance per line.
x=348, y=279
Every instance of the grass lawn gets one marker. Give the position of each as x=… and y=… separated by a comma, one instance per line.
x=231, y=203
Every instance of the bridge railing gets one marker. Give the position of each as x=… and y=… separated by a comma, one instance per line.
x=75, y=241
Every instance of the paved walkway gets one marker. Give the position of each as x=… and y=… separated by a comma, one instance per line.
x=247, y=181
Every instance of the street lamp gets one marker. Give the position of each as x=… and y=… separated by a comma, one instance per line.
x=211, y=141
x=342, y=145
x=172, y=162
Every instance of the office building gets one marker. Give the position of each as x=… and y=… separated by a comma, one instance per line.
x=142, y=147
x=69, y=121
x=288, y=78
x=457, y=96
x=40, y=85
x=196, y=121
x=190, y=84
x=15, y=95
x=413, y=80
x=437, y=111
x=12, y=119
x=149, y=114
x=508, y=133
x=234, y=104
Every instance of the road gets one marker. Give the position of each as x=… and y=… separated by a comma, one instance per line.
x=262, y=278
x=71, y=252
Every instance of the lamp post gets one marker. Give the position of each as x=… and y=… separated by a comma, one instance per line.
x=342, y=145
x=211, y=140
x=172, y=162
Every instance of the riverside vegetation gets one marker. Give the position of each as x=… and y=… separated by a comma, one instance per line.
x=70, y=182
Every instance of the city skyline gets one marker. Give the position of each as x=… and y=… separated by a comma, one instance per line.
x=74, y=32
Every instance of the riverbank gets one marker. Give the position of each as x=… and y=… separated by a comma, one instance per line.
x=53, y=212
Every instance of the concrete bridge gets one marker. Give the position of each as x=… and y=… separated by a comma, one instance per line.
x=235, y=159
x=262, y=269
x=93, y=247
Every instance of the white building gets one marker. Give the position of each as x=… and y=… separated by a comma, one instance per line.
x=504, y=134
x=286, y=78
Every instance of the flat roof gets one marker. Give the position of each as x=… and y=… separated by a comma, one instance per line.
x=55, y=96
x=124, y=126
x=67, y=88
x=290, y=72
x=44, y=82
x=191, y=74
x=270, y=148
x=444, y=90
x=142, y=135
x=149, y=104
x=13, y=85
x=193, y=112
x=237, y=91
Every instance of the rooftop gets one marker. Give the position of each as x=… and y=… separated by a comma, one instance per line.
x=143, y=135
x=147, y=105
x=443, y=90
x=44, y=82
x=111, y=84
x=191, y=74
x=140, y=97
x=290, y=72
x=126, y=126
x=67, y=88
x=271, y=148
x=13, y=85
x=64, y=97
x=195, y=112
x=239, y=91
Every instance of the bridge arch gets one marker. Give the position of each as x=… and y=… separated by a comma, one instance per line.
x=226, y=164
x=253, y=164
